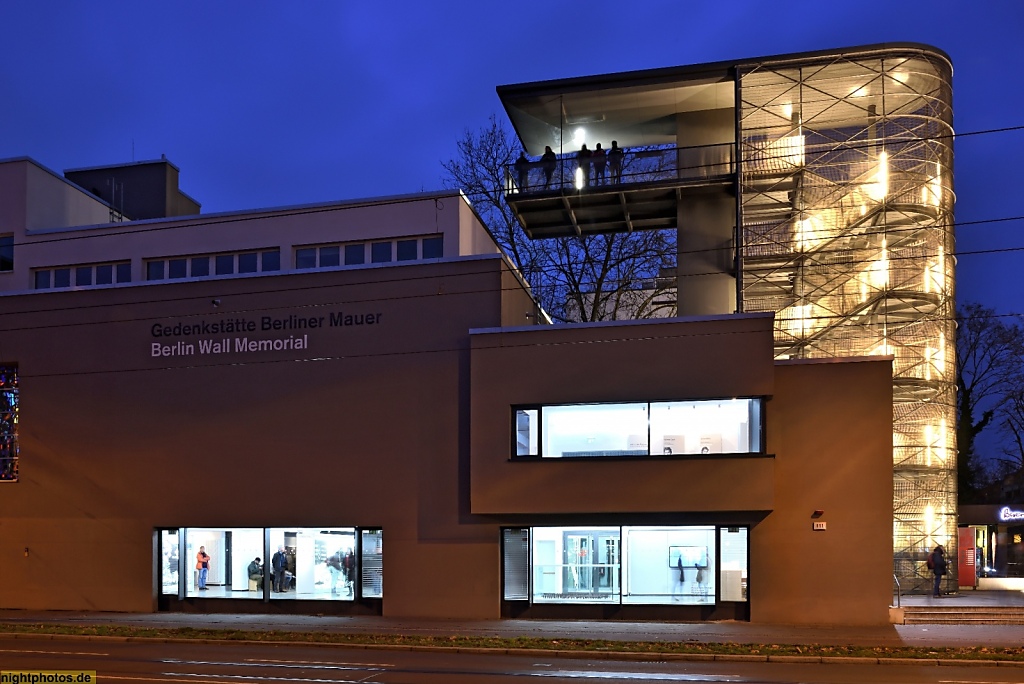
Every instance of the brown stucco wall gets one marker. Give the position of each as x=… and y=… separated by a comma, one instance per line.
x=362, y=428
x=830, y=425
x=638, y=361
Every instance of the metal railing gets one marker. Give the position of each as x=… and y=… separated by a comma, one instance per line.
x=630, y=166
x=899, y=591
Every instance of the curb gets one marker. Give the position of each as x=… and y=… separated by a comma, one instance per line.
x=637, y=656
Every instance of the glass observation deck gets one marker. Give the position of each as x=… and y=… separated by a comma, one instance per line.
x=638, y=189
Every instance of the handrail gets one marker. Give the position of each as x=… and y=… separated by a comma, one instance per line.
x=567, y=172
x=899, y=590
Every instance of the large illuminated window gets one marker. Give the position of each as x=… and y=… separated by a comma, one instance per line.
x=666, y=428
x=649, y=565
x=314, y=563
x=319, y=563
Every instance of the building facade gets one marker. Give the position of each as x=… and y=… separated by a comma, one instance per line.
x=818, y=186
x=399, y=436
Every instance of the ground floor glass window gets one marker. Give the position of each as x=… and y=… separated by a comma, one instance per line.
x=318, y=563
x=642, y=565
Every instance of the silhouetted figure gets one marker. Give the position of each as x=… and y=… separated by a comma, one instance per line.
x=937, y=563
x=548, y=162
x=522, y=171
x=599, y=159
x=583, y=159
x=615, y=162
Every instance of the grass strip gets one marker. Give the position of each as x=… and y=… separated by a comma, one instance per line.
x=596, y=645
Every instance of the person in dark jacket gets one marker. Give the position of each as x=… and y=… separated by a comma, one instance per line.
x=549, y=162
x=255, y=572
x=939, y=568
x=279, y=563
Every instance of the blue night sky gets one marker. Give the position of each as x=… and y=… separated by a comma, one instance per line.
x=265, y=104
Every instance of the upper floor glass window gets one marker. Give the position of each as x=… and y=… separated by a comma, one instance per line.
x=6, y=252
x=355, y=254
x=177, y=268
x=433, y=247
x=83, y=276
x=667, y=428
x=224, y=264
x=247, y=262
x=380, y=252
x=330, y=256
x=407, y=250
x=200, y=266
x=271, y=260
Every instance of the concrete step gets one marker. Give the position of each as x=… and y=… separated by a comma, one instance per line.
x=963, y=615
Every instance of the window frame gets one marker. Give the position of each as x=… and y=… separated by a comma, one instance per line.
x=6, y=252
x=755, y=434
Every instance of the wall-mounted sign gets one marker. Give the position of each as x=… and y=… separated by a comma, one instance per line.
x=229, y=333
x=1006, y=514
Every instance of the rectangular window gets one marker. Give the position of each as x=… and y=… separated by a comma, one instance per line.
x=330, y=256
x=319, y=563
x=155, y=270
x=124, y=272
x=515, y=562
x=6, y=252
x=355, y=255
x=575, y=564
x=650, y=565
x=594, y=430
x=8, y=424
x=247, y=262
x=727, y=426
x=371, y=576
x=705, y=427
x=224, y=264
x=62, y=277
x=228, y=553
x=380, y=252
x=104, y=274
x=407, y=250
x=306, y=563
x=305, y=258
x=42, y=280
x=200, y=267
x=271, y=260
x=733, y=544
x=83, y=276
x=169, y=562
x=177, y=268
x=433, y=247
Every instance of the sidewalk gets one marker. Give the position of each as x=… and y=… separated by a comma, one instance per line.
x=934, y=635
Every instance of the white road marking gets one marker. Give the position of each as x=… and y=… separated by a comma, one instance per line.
x=295, y=664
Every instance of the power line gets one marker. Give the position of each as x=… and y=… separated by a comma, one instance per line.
x=273, y=213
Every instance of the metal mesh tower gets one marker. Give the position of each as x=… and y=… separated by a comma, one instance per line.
x=846, y=214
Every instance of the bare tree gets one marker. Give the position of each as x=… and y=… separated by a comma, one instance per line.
x=583, y=278
x=990, y=374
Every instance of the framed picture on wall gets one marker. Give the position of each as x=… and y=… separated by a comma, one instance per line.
x=691, y=556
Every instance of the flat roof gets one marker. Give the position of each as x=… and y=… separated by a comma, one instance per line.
x=637, y=108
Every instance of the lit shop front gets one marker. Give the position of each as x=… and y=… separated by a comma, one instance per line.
x=620, y=565
x=992, y=546
x=320, y=564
